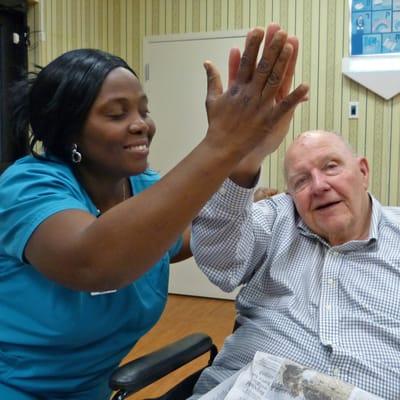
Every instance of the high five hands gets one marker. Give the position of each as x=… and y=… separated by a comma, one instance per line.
x=255, y=112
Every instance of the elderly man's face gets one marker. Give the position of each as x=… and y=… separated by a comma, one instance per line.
x=329, y=187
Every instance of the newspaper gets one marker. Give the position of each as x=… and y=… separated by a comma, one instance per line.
x=270, y=377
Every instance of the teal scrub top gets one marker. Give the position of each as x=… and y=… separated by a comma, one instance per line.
x=55, y=342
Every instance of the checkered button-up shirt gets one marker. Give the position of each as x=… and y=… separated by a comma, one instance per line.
x=332, y=308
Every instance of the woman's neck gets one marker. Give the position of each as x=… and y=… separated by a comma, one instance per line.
x=104, y=192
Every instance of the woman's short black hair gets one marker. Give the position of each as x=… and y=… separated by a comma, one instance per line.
x=56, y=101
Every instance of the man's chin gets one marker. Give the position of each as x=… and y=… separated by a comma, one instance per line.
x=332, y=231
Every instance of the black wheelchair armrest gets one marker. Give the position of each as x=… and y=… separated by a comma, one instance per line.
x=145, y=370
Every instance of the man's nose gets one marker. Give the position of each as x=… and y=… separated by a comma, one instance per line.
x=319, y=182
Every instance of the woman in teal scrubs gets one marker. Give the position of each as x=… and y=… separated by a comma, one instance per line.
x=88, y=230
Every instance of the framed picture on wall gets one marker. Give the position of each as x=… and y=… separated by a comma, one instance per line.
x=375, y=27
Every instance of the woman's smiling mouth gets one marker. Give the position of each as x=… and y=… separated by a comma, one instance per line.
x=141, y=148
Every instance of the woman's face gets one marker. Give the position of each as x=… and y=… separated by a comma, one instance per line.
x=117, y=134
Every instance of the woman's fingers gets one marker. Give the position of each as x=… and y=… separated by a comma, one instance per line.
x=249, y=56
x=289, y=103
x=269, y=57
x=278, y=73
x=247, y=115
x=234, y=55
x=272, y=77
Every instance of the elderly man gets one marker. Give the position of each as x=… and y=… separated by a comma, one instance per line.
x=320, y=267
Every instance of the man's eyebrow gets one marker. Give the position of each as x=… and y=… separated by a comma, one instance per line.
x=330, y=157
x=292, y=176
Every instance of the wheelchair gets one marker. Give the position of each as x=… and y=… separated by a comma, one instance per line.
x=137, y=374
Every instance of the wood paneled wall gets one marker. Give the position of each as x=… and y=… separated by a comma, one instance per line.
x=322, y=27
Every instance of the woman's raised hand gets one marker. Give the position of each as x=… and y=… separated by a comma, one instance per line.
x=257, y=107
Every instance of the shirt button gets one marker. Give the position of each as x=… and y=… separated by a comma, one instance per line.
x=329, y=348
x=222, y=191
x=331, y=282
x=336, y=372
x=328, y=307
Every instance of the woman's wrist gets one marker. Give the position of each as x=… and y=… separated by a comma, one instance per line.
x=246, y=179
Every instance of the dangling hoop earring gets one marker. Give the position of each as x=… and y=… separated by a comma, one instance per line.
x=75, y=155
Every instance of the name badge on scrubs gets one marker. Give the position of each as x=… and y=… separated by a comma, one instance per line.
x=105, y=292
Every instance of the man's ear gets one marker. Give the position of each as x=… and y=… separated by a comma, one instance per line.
x=364, y=169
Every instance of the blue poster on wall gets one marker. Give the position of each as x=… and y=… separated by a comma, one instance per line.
x=375, y=27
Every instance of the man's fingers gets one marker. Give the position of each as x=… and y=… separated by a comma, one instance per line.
x=271, y=30
x=287, y=81
x=234, y=62
x=214, y=85
x=249, y=57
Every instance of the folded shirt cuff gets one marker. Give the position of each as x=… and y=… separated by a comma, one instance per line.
x=232, y=197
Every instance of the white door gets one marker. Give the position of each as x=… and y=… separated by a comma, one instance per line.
x=175, y=83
